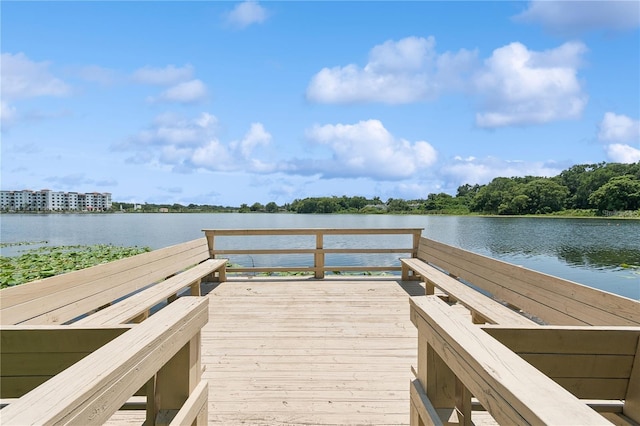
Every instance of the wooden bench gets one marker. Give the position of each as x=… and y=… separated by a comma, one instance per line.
x=91, y=373
x=64, y=298
x=599, y=365
x=459, y=361
x=546, y=298
x=483, y=308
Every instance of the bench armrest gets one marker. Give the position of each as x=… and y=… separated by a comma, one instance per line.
x=512, y=390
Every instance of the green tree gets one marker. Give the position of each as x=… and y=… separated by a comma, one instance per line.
x=256, y=207
x=397, y=205
x=271, y=207
x=545, y=195
x=620, y=193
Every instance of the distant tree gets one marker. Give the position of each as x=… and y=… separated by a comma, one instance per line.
x=494, y=198
x=271, y=207
x=244, y=208
x=397, y=205
x=256, y=207
x=620, y=193
x=545, y=195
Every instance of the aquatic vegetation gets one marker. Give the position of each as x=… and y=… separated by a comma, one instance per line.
x=43, y=262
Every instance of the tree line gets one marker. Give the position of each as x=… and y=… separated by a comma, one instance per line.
x=585, y=189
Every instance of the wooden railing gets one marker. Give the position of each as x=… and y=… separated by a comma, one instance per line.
x=457, y=360
x=319, y=251
x=159, y=358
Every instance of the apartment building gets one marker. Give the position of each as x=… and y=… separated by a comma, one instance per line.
x=47, y=200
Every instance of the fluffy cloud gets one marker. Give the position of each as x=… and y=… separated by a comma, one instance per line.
x=365, y=149
x=619, y=128
x=575, y=17
x=184, y=89
x=408, y=70
x=616, y=131
x=256, y=136
x=163, y=76
x=621, y=153
x=473, y=171
x=519, y=86
x=23, y=78
x=8, y=114
x=514, y=86
x=187, y=92
x=186, y=144
x=247, y=13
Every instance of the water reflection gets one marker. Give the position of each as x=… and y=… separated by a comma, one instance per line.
x=600, y=257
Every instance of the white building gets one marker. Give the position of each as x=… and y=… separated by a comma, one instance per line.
x=47, y=200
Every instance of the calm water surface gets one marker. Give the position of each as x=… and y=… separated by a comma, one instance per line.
x=602, y=253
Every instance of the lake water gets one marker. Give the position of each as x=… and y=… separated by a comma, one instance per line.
x=601, y=253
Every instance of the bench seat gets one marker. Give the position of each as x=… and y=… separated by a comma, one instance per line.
x=483, y=308
x=137, y=306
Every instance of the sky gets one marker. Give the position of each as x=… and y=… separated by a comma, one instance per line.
x=239, y=102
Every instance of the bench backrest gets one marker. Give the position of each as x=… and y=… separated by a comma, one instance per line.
x=554, y=300
x=61, y=298
x=590, y=362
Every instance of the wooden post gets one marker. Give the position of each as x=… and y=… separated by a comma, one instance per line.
x=210, y=236
x=319, y=257
x=463, y=404
x=416, y=242
x=440, y=381
x=195, y=288
x=176, y=380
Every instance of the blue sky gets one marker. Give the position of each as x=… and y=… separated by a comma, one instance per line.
x=242, y=102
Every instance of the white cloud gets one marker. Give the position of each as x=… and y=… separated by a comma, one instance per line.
x=515, y=86
x=519, y=86
x=213, y=156
x=616, y=128
x=187, y=92
x=365, y=149
x=8, y=115
x=405, y=71
x=575, y=17
x=621, y=153
x=473, y=170
x=187, y=144
x=256, y=136
x=163, y=76
x=247, y=13
x=23, y=78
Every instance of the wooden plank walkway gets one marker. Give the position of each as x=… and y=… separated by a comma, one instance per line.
x=336, y=351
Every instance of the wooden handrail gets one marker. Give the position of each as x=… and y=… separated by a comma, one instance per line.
x=458, y=360
x=162, y=352
x=319, y=251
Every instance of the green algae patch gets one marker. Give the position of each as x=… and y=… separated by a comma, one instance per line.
x=43, y=262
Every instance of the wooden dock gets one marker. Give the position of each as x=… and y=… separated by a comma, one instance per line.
x=304, y=351
x=122, y=344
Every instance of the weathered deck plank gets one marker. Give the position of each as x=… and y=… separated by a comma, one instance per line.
x=329, y=352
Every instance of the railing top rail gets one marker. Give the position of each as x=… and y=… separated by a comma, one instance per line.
x=311, y=231
x=95, y=387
